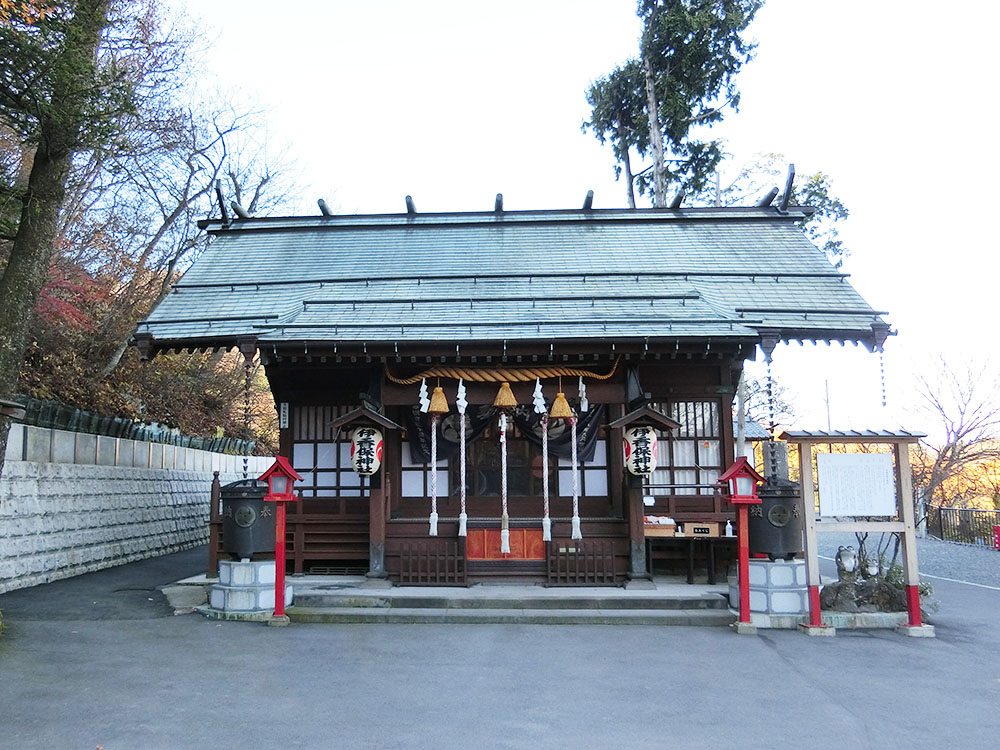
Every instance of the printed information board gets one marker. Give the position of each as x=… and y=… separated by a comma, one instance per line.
x=856, y=484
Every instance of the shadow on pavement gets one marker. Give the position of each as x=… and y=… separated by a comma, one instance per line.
x=125, y=592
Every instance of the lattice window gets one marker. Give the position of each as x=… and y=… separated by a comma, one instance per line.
x=692, y=454
x=326, y=470
x=324, y=463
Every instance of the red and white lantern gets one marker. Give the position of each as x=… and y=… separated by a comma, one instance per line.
x=366, y=450
x=640, y=450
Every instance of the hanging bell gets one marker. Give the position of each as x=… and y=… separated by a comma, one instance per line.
x=560, y=407
x=439, y=404
x=505, y=397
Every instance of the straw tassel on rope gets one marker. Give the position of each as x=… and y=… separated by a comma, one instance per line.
x=561, y=410
x=577, y=533
x=434, y=474
x=546, y=521
x=437, y=406
x=539, y=403
x=461, y=404
x=504, y=519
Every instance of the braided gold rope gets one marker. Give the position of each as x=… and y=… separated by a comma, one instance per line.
x=501, y=374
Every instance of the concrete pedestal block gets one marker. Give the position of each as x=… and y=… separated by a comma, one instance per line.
x=245, y=598
x=777, y=587
x=246, y=572
x=916, y=631
x=246, y=586
x=826, y=631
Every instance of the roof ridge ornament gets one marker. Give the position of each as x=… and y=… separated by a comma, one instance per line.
x=222, y=202
x=788, y=189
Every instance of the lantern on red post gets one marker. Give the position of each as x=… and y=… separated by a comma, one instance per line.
x=742, y=479
x=281, y=478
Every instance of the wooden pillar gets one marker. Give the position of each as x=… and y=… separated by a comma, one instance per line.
x=214, y=526
x=378, y=503
x=904, y=504
x=812, y=560
x=635, y=511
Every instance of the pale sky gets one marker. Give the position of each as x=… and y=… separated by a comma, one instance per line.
x=455, y=101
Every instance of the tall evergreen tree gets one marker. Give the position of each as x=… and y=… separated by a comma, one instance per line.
x=690, y=53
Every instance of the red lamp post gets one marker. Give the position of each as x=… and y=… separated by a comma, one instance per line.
x=281, y=478
x=742, y=480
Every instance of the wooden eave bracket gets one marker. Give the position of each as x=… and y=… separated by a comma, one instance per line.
x=645, y=414
x=769, y=338
x=247, y=347
x=880, y=332
x=364, y=414
x=143, y=342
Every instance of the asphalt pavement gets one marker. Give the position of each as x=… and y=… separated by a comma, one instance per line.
x=101, y=661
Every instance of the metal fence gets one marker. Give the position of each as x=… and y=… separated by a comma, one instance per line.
x=962, y=524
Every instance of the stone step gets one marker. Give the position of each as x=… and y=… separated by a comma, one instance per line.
x=315, y=600
x=409, y=616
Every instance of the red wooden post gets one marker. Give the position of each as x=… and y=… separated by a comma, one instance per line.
x=281, y=479
x=742, y=479
x=815, y=611
x=744, y=578
x=279, y=559
x=913, y=605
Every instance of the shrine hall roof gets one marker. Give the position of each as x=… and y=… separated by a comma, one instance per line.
x=653, y=275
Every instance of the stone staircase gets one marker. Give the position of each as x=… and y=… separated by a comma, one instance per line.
x=513, y=605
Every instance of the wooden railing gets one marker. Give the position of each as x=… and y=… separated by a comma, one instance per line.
x=428, y=562
x=583, y=562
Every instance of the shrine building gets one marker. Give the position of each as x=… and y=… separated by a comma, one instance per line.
x=641, y=319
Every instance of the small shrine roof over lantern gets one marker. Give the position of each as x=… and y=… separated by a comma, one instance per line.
x=363, y=415
x=281, y=478
x=742, y=479
x=645, y=415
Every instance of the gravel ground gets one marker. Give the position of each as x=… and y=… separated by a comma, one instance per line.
x=961, y=562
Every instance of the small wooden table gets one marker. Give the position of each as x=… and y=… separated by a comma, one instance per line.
x=712, y=543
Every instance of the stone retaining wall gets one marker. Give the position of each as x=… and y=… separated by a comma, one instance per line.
x=61, y=519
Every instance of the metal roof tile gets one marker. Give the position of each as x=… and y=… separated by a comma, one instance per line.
x=534, y=275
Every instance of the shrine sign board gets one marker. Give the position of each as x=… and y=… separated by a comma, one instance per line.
x=864, y=485
x=856, y=484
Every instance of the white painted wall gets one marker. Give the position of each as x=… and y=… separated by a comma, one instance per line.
x=92, y=503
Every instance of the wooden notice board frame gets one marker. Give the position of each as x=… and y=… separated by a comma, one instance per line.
x=900, y=442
